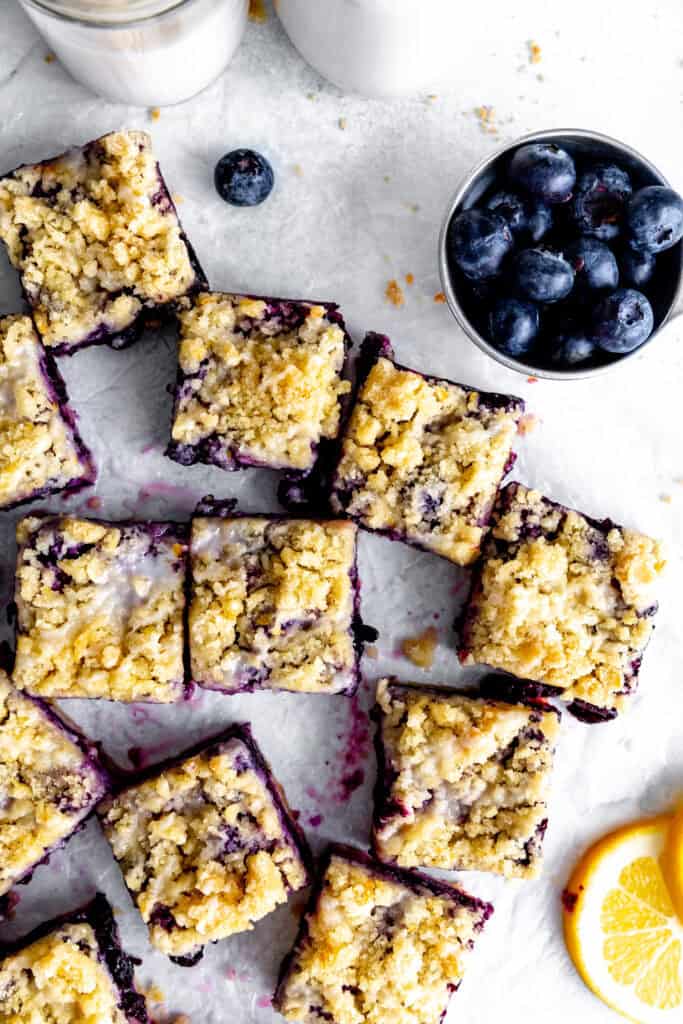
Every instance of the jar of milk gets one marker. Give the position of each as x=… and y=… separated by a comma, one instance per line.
x=377, y=47
x=146, y=52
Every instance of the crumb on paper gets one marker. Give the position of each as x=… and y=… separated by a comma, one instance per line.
x=342, y=123
x=666, y=498
x=394, y=293
x=387, y=178
x=153, y=994
x=535, y=56
x=177, y=198
x=311, y=96
x=678, y=480
x=432, y=97
x=486, y=117
x=413, y=207
x=532, y=380
x=371, y=651
x=410, y=279
x=420, y=649
x=298, y=170
x=439, y=298
x=527, y=423
x=49, y=58
x=94, y=502
x=154, y=113
x=257, y=11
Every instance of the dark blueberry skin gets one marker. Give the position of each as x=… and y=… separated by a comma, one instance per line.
x=526, y=217
x=243, y=178
x=513, y=326
x=654, y=219
x=622, y=321
x=543, y=276
x=478, y=242
x=595, y=266
x=600, y=201
x=544, y=170
x=637, y=268
x=572, y=350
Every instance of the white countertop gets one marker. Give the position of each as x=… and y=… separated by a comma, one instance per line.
x=354, y=207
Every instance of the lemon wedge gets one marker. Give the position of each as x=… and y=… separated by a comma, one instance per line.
x=672, y=861
x=621, y=926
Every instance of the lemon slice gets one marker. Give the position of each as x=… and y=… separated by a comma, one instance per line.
x=621, y=928
x=672, y=861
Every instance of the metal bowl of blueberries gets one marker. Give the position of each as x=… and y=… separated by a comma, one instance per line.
x=561, y=254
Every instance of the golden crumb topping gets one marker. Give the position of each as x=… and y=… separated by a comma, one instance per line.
x=100, y=610
x=424, y=458
x=562, y=601
x=203, y=849
x=47, y=784
x=94, y=238
x=272, y=604
x=468, y=781
x=268, y=392
x=37, y=447
x=59, y=979
x=376, y=951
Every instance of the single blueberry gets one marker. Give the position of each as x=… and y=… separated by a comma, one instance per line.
x=600, y=201
x=595, y=266
x=542, y=275
x=478, y=242
x=622, y=321
x=513, y=326
x=526, y=217
x=637, y=268
x=654, y=219
x=544, y=170
x=243, y=178
x=572, y=349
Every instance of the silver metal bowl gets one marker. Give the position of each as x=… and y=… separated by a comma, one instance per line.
x=581, y=144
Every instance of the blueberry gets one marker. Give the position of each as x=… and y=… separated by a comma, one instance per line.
x=572, y=349
x=542, y=275
x=526, y=217
x=243, y=178
x=654, y=219
x=595, y=266
x=478, y=242
x=544, y=170
x=513, y=326
x=600, y=201
x=637, y=268
x=622, y=321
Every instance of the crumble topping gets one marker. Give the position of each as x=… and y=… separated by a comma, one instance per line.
x=100, y=609
x=563, y=601
x=260, y=380
x=59, y=979
x=203, y=848
x=37, y=447
x=424, y=458
x=466, y=779
x=377, y=950
x=94, y=237
x=273, y=604
x=47, y=784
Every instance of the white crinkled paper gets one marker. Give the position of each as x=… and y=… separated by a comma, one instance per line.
x=353, y=208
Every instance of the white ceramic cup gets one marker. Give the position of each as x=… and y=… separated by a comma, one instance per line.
x=376, y=47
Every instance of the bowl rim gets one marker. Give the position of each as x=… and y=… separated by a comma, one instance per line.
x=466, y=183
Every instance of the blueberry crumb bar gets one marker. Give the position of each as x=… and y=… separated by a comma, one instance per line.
x=260, y=382
x=563, y=601
x=100, y=609
x=207, y=844
x=96, y=239
x=50, y=780
x=378, y=944
x=462, y=782
x=71, y=971
x=41, y=451
x=422, y=458
x=274, y=603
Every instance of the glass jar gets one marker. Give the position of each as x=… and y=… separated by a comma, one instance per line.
x=377, y=47
x=146, y=52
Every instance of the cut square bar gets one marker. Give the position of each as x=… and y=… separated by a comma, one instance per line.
x=69, y=971
x=207, y=844
x=422, y=458
x=564, y=601
x=462, y=782
x=378, y=944
x=260, y=382
x=97, y=241
x=50, y=780
x=100, y=609
x=274, y=604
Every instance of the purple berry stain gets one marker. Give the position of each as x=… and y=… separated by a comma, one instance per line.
x=356, y=745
